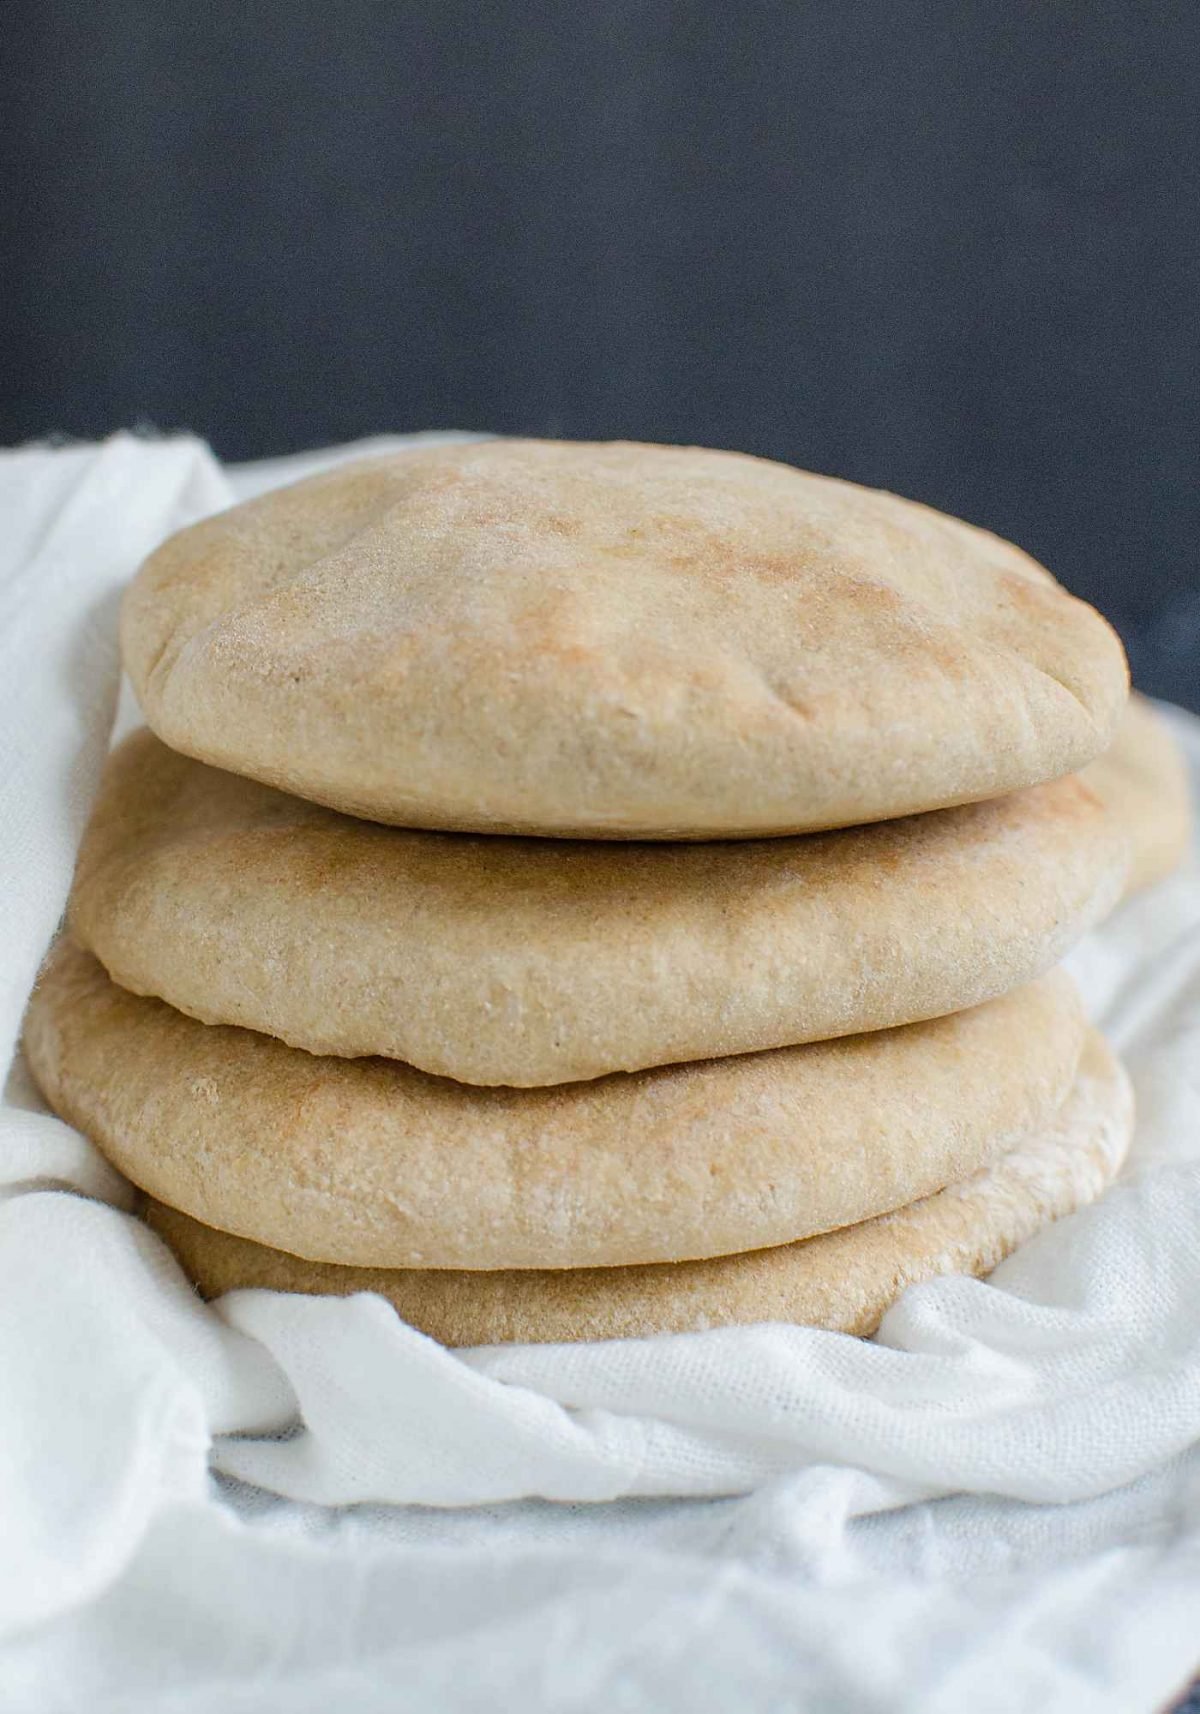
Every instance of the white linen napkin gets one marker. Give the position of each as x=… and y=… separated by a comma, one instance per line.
x=839, y=1577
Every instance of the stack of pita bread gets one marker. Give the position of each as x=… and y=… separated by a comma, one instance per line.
x=579, y=891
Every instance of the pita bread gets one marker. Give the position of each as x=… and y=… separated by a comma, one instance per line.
x=843, y=1280
x=614, y=641
x=369, y=1162
x=1143, y=780
x=527, y=962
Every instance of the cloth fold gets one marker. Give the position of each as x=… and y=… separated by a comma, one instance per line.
x=820, y=1468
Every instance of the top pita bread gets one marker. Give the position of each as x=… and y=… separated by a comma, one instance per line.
x=614, y=641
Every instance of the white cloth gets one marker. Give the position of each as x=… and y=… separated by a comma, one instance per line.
x=873, y=1525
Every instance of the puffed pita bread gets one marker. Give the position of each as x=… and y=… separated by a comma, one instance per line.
x=369, y=1162
x=1143, y=780
x=842, y=1280
x=614, y=640
x=519, y=961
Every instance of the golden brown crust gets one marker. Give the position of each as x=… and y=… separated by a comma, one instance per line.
x=612, y=641
x=843, y=1280
x=370, y=1162
x=530, y=962
x=1143, y=781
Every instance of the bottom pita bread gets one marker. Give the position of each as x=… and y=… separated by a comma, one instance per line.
x=843, y=1280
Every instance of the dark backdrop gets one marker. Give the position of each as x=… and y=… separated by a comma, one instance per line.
x=946, y=248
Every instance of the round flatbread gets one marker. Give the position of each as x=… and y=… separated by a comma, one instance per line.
x=368, y=1161
x=1143, y=780
x=614, y=641
x=843, y=1280
x=527, y=962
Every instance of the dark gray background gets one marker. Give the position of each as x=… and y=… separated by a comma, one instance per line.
x=946, y=248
